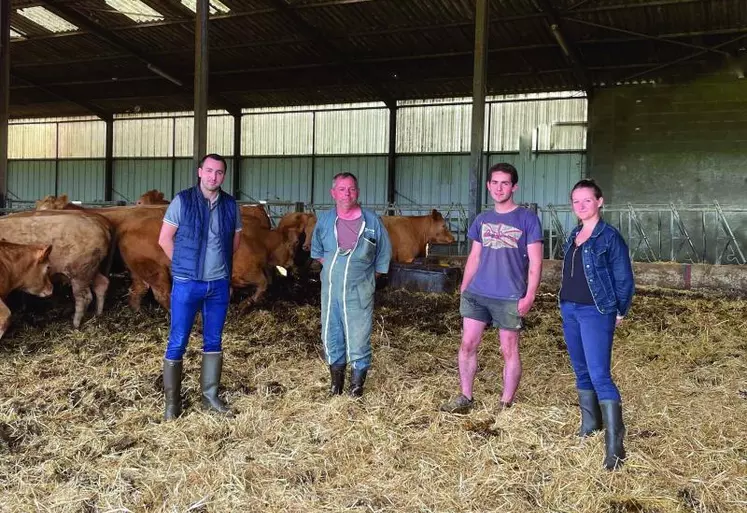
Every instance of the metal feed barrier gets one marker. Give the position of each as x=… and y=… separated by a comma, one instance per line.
x=711, y=233
x=663, y=232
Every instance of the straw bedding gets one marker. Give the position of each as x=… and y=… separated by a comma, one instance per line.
x=81, y=430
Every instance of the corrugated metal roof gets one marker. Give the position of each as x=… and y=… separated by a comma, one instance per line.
x=317, y=51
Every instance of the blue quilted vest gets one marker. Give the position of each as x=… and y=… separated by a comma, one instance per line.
x=190, y=242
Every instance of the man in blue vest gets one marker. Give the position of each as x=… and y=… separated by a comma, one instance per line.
x=353, y=247
x=200, y=234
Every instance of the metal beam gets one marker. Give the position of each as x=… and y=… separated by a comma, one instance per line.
x=392, y=158
x=51, y=90
x=236, y=156
x=4, y=97
x=578, y=5
x=644, y=36
x=265, y=88
x=570, y=51
x=201, y=80
x=297, y=40
x=638, y=5
x=683, y=59
x=348, y=61
x=503, y=49
x=479, y=89
x=109, y=160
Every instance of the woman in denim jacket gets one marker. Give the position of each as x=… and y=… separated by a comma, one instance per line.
x=595, y=297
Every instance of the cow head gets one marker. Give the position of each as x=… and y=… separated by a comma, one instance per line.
x=308, y=231
x=56, y=203
x=152, y=197
x=285, y=252
x=50, y=203
x=35, y=279
x=438, y=231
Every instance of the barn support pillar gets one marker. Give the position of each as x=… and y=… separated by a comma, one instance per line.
x=479, y=87
x=236, y=156
x=109, y=159
x=392, y=161
x=201, y=80
x=4, y=97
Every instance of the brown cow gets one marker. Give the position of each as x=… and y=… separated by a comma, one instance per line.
x=411, y=234
x=259, y=252
x=304, y=222
x=152, y=197
x=255, y=215
x=80, y=242
x=25, y=267
x=56, y=203
x=136, y=230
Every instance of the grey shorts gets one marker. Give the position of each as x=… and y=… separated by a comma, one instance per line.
x=502, y=313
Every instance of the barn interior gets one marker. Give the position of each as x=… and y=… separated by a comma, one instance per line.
x=105, y=99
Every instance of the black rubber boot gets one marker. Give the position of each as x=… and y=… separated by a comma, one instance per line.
x=212, y=366
x=172, y=388
x=337, y=379
x=591, y=415
x=357, y=380
x=613, y=434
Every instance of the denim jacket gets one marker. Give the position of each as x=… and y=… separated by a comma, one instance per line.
x=607, y=268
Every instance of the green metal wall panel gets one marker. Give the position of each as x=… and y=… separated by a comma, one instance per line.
x=544, y=178
x=432, y=179
x=371, y=171
x=185, y=175
x=276, y=179
x=132, y=177
x=82, y=180
x=30, y=179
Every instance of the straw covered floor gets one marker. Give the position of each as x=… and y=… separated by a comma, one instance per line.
x=81, y=429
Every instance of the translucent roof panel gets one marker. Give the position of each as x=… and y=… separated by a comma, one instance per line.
x=136, y=10
x=14, y=34
x=47, y=19
x=216, y=6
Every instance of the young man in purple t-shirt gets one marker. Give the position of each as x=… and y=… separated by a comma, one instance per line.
x=500, y=281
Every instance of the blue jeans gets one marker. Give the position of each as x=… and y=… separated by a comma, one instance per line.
x=187, y=297
x=588, y=336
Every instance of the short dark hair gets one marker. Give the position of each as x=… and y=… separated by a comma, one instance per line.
x=344, y=175
x=214, y=156
x=588, y=183
x=504, y=167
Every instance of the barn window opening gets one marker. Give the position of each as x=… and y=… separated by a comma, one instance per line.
x=216, y=6
x=136, y=10
x=47, y=19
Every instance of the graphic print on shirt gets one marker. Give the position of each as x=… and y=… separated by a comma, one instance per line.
x=497, y=236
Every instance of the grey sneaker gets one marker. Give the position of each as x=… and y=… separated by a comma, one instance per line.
x=460, y=404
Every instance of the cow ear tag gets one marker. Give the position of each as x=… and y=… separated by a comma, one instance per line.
x=282, y=270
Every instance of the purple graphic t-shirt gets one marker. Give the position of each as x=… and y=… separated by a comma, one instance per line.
x=504, y=262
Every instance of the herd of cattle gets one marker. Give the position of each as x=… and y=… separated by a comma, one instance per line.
x=78, y=245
